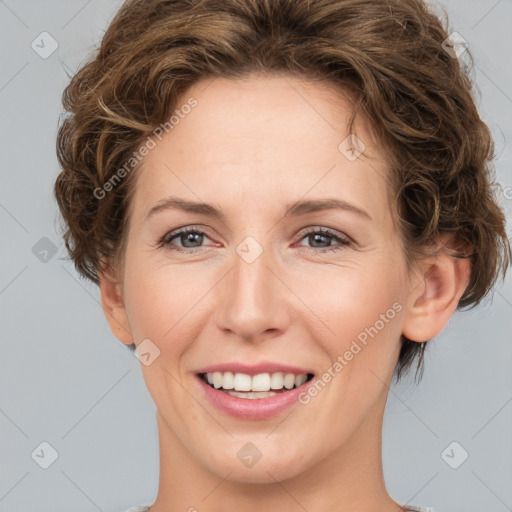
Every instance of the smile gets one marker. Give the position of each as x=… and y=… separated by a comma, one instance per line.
x=262, y=385
x=253, y=397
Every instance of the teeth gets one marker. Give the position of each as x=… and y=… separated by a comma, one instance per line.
x=242, y=382
x=276, y=381
x=251, y=395
x=228, y=380
x=261, y=383
x=289, y=380
x=300, y=379
x=217, y=380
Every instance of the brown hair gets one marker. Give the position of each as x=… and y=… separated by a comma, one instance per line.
x=391, y=55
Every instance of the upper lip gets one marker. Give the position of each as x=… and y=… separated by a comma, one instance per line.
x=254, y=369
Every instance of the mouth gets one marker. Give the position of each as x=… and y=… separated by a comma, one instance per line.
x=254, y=387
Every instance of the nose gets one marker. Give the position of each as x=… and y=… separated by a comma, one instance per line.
x=253, y=302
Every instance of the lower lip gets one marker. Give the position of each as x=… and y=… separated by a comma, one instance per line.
x=253, y=409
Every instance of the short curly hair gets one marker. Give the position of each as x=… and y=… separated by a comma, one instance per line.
x=394, y=57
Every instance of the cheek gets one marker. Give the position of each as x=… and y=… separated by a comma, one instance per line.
x=361, y=308
x=348, y=300
x=159, y=300
x=365, y=316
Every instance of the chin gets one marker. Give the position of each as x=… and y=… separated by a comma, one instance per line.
x=262, y=473
x=268, y=469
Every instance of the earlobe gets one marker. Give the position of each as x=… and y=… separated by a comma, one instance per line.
x=114, y=308
x=436, y=295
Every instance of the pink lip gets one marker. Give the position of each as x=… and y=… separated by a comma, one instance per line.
x=256, y=409
x=254, y=369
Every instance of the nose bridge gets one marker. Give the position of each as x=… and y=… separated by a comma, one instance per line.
x=252, y=301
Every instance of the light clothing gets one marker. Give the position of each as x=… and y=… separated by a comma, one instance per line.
x=411, y=508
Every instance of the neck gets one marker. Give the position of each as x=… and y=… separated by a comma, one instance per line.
x=349, y=479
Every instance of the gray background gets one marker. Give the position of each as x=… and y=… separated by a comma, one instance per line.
x=66, y=380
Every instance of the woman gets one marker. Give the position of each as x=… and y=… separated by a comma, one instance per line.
x=281, y=202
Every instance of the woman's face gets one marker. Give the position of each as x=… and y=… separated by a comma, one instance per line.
x=253, y=289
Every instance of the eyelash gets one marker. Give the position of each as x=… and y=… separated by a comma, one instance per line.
x=165, y=241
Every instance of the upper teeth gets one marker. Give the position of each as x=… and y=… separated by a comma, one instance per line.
x=260, y=382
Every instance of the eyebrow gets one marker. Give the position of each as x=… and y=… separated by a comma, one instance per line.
x=296, y=209
x=314, y=205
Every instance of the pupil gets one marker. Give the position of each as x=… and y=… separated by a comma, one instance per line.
x=317, y=238
x=188, y=237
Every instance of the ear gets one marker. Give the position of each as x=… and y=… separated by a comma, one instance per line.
x=439, y=284
x=113, y=305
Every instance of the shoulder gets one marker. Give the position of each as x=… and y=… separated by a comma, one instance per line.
x=139, y=508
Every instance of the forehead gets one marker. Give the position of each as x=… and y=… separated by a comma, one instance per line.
x=266, y=137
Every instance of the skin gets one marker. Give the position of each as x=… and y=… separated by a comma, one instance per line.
x=252, y=148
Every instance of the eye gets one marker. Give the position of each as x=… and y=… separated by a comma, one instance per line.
x=190, y=239
x=325, y=236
